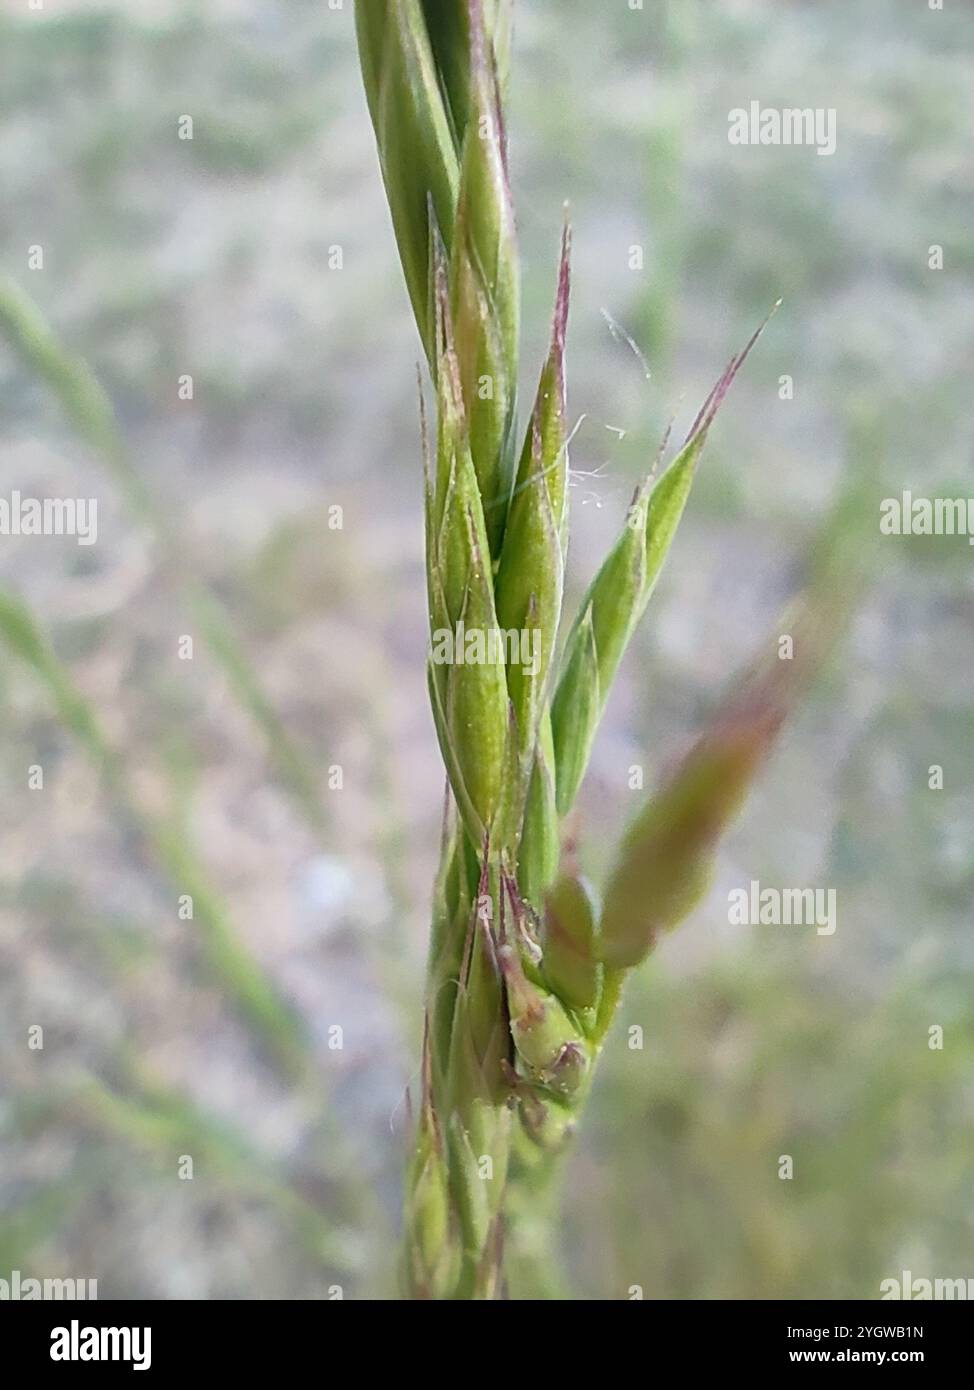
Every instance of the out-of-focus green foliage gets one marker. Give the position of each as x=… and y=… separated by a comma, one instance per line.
x=212, y=256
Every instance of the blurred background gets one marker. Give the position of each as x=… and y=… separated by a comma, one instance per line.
x=215, y=905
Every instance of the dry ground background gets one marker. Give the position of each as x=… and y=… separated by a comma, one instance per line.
x=212, y=257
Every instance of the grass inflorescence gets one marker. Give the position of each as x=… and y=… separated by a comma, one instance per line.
x=526, y=960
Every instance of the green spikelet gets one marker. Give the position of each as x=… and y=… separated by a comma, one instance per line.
x=417, y=155
x=540, y=845
x=485, y=287
x=530, y=576
x=549, y=1043
x=529, y=588
x=568, y=943
x=618, y=595
x=546, y=1121
x=470, y=701
x=431, y=1251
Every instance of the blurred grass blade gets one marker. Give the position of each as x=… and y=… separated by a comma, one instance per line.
x=230, y=961
x=163, y=1122
x=89, y=411
x=18, y=630
x=82, y=398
